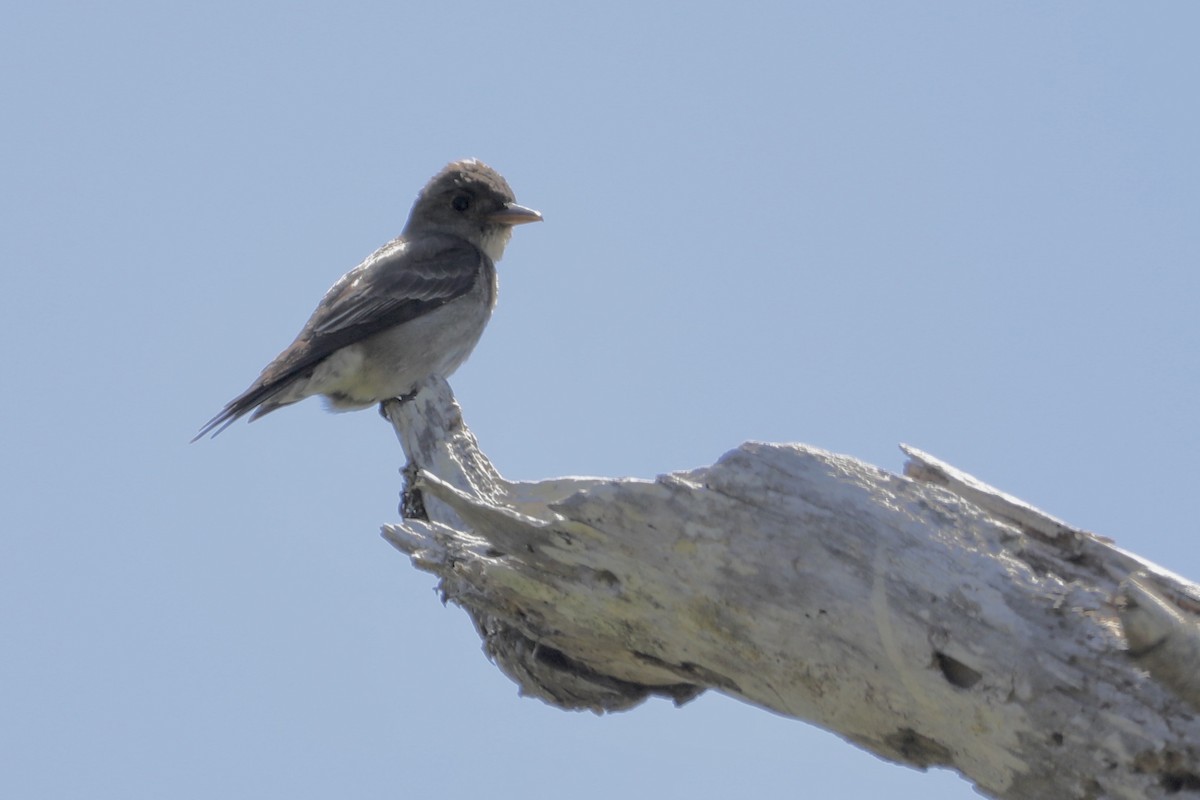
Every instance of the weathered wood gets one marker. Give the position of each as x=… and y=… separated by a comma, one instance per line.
x=930, y=619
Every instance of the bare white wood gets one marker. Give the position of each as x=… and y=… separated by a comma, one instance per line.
x=928, y=618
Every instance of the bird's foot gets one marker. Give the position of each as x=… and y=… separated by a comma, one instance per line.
x=404, y=398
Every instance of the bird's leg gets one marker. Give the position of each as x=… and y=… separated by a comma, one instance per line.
x=404, y=398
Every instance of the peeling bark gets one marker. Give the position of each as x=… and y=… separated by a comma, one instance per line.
x=928, y=618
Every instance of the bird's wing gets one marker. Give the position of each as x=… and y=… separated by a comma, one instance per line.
x=401, y=281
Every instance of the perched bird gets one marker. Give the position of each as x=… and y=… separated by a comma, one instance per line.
x=416, y=307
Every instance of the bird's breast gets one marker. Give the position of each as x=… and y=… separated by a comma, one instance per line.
x=395, y=361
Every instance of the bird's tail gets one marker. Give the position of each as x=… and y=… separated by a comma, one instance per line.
x=256, y=401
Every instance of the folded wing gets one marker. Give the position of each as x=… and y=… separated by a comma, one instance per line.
x=398, y=283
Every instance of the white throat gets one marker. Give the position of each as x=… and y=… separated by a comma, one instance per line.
x=495, y=238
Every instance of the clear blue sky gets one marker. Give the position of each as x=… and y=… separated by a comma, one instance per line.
x=970, y=227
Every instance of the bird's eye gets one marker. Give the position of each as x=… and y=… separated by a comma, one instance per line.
x=460, y=202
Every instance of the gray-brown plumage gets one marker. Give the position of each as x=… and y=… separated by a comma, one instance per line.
x=416, y=307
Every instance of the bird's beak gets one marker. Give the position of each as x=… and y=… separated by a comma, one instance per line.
x=513, y=214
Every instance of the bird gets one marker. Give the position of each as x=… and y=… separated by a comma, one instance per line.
x=415, y=307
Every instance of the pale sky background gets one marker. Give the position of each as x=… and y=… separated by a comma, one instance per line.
x=969, y=227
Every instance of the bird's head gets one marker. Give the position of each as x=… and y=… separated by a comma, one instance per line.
x=472, y=201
